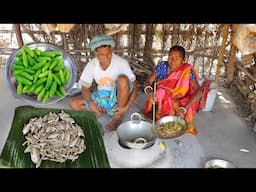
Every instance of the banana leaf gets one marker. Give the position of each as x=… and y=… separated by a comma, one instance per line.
x=94, y=156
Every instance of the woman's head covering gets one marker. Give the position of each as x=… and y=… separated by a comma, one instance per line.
x=100, y=40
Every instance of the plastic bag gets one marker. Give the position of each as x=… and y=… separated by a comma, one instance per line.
x=245, y=38
x=65, y=28
x=48, y=28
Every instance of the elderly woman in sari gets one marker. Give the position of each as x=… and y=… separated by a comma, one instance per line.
x=177, y=89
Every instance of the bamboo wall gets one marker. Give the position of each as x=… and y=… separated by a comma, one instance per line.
x=144, y=45
x=208, y=47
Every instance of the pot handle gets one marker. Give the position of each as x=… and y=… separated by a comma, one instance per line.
x=140, y=141
x=135, y=119
x=147, y=88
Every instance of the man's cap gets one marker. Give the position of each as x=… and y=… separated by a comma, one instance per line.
x=100, y=40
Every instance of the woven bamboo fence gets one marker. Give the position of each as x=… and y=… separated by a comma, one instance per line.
x=209, y=48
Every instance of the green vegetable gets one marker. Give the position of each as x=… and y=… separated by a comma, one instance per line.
x=25, y=59
x=23, y=80
x=42, y=73
x=37, y=51
x=25, y=88
x=28, y=50
x=20, y=89
x=56, y=79
x=62, y=78
x=39, y=65
x=46, y=97
x=30, y=71
x=41, y=81
x=31, y=89
x=49, y=81
x=46, y=66
x=58, y=94
x=62, y=91
x=38, y=89
x=26, y=75
x=53, y=88
x=54, y=63
x=36, y=75
x=48, y=54
x=41, y=95
x=67, y=75
x=17, y=67
x=17, y=72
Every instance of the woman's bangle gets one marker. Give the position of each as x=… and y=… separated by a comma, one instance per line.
x=146, y=88
x=183, y=109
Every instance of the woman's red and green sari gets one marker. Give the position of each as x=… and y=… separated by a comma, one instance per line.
x=173, y=92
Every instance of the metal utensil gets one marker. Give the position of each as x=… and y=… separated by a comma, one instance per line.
x=136, y=134
x=218, y=163
x=154, y=104
x=176, y=120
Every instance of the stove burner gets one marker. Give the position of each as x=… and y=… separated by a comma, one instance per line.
x=126, y=147
x=122, y=145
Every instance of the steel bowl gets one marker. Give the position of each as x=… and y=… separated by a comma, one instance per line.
x=32, y=99
x=218, y=163
x=136, y=134
x=168, y=119
x=76, y=89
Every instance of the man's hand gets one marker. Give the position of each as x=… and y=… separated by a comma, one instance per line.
x=94, y=108
x=120, y=111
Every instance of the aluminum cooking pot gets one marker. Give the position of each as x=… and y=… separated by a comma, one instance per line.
x=136, y=134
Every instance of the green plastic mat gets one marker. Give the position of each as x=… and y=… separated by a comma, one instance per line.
x=94, y=155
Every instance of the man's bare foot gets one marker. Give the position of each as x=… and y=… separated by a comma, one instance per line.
x=113, y=124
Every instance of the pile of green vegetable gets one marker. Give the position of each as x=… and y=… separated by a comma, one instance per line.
x=40, y=73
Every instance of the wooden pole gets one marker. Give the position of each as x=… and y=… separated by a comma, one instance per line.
x=222, y=52
x=231, y=64
x=17, y=30
x=147, y=57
